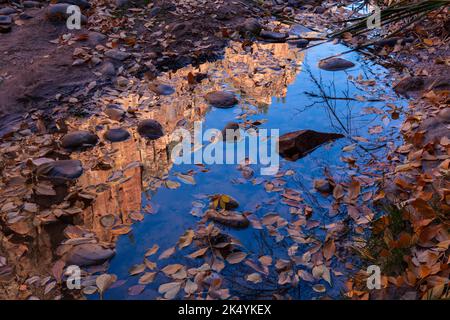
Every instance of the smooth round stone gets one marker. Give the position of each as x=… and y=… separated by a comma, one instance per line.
x=7, y=11
x=60, y=170
x=335, y=64
x=162, y=89
x=115, y=112
x=116, y=135
x=221, y=99
x=79, y=139
x=88, y=254
x=5, y=20
x=150, y=129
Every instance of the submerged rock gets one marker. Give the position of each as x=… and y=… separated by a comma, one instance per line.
x=88, y=254
x=79, y=139
x=221, y=99
x=231, y=132
x=7, y=11
x=116, y=135
x=161, y=89
x=228, y=218
x=335, y=64
x=5, y=20
x=60, y=170
x=409, y=84
x=297, y=144
x=150, y=129
x=273, y=36
x=115, y=112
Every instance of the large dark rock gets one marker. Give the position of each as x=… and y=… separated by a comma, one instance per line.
x=7, y=11
x=88, y=254
x=228, y=218
x=150, y=129
x=335, y=64
x=78, y=140
x=409, y=84
x=297, y=144
x=116, y=135
x=5, y=20
x=273, y=36
x=57, y=13
x=221, y=99
x=60, y=171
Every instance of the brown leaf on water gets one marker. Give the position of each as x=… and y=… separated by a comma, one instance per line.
x=171, y=269
x=236, y=257
x=190, y=287
x=147, y=278
x=58, y=269
x=320, y=288
x=152, y=250
x=136, y=269
x=167, y=253
x=136, y=290
x=338, y=191
x=169, y=290
x=354, y=189
x=329, y=249
x=104, y=282
x=198, y=253
x=254, y=277
x=186, y=239
x=265, y=260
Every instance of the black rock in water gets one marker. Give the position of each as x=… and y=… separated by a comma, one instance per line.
x=150, y=129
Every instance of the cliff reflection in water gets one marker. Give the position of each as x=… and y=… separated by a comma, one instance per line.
x=256, y=74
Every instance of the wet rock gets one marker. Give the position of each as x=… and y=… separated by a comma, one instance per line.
x=31, y=4
x=221, y=99
x=273, y=36
x=161, y=89
x=88, y=254
x=150, y=129
x=83, y=4
x=231, y=219
x=117, y=135
x=115, y=112
x=117, y=54
x=60, y=170
x=252, y=26
x=108, y=70
x=301, y=43
x=79, y=139
x=5, y=20
x=319, y=9
x=96, y=38
x=57, y=13
x=7, y=11
x=409, y=84
x=297, y=144
x=232, y=135
x=323, y=186
x=122, y=3
x=335, y=64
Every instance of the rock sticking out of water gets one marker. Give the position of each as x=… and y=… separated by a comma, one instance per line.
x=161, y=89
x=88, y=254
x=114, y=112
x=233, y=135
x=297, y=144
x=150, y=129
x=335, y=64
x=273, y=36
x=221, y=99
x=116, y=135
x=228, y=218
x=60, y=171
x=78, y=140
